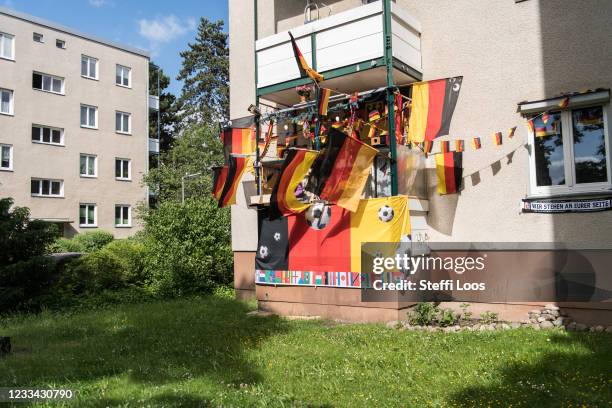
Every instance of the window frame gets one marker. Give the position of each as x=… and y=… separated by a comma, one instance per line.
x=51, y=129
x=129, y=216
x=41, y=36
x=11, y=93
x=129, y=76
x=11, y=37
x=129, y=176
x=57, y=43
x=40, y=188
x=10, y=166
x=95, y=126
x=567, y=134
x=88, y=157
x=88, y=75
x=52, y=77
x=129, y=115
x=95, y=215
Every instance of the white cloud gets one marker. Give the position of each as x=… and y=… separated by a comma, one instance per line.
x=97, y=3
x=166, y=29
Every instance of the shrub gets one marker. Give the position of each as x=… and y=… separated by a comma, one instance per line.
x=465, y=315
x=488, y=317
x=62, y=245
x=24, y=271
x=130, y=254
x=188, y=247
x=423, y=314
x=84, y=243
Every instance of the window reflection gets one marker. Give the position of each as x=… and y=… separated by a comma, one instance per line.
x=550, y=169
x=589, y=145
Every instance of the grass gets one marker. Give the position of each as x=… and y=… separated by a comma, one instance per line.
x=208, y=352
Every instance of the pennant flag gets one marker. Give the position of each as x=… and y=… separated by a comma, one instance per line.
x=449, y=172
x=445, y=146
x=323, y=245
x=459, y=145
x=288, y=193
x=219, y=177
x=476, y=143
x=374, y=116
x=511, y=132
x=497, y=138
x=236, y=167
x=427, y=145
x=341, y=171
x=323, y=102
x=305, y=69
x=237, y=141
x=263, y=147
x=433, y=104
x=545, y=118
x=530, y=126
x=564, y=102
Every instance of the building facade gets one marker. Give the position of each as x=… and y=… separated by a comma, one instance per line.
x=516, y=58
x=73, y=125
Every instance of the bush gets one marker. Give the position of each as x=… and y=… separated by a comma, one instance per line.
x=24, y=271
x=84, y=243
x=423, y=314
x=188, y=247
x=447, y=318
x=488, y=317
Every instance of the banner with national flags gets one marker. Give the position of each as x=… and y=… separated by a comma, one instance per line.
x=322, y=246
x=235, y=169
x=288, y=195
x=433, y=104
x=449, y=172
x=341, y=171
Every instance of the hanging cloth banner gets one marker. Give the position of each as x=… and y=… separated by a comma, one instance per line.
x=565, y=206
x=433, y=104
x=219, y=177
x=237, y=141
x=288, y=194
x=236, y=168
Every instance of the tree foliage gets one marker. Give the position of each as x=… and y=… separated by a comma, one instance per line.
x=205, y=75
x=169, y=121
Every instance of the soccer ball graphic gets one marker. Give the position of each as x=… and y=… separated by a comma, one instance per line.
x=277, y=236
x=385, y=213
x=318, y=216
x=263, y=252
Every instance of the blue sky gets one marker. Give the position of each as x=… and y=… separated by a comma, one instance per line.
x=161, y=27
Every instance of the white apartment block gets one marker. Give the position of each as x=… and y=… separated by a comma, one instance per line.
x=74, y=140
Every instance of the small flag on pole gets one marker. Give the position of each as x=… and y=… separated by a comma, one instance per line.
x=459, y=145
x=476, y=143
x=324, y=94
x=445, y=146
x=497, y=138
x=511, y=132
x=305, y=69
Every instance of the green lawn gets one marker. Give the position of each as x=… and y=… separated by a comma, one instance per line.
x=207, y=351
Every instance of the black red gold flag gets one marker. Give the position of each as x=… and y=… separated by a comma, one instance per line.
x=445, y=146
x=433, y=104
x=305, y=69
x=219, y=177
x=236, y=167
x=497, y=138
x=511, y=132
x=323, y=102
x=288, y=193
x=476, y=144
x=237, y=141
x=459, y=145
x=449, y=171
x=263, y=147
x=427, y=146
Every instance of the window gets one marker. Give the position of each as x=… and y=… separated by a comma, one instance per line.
x=48, y=135
x=6, y=101
x=48, y=83
x=6, y=157
x=123, y=76
x=123, y=216
x=122, y=122
x=89, y=116
x=87, y=215
x=88, y=166
x=47, y=188
x=60, y=44
x=89, y=67
x=570, y=151
x=38, y=37
x=7, y=46
x=123, y=169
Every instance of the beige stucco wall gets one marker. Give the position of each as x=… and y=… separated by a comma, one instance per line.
x=507, y=52
x=63, y=111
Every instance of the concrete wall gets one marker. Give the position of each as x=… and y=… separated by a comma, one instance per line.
x=63, y=111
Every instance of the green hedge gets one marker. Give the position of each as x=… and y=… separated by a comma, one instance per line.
x=84, y=243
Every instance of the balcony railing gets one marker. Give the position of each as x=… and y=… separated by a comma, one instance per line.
x=153, y=146
x=153, y=103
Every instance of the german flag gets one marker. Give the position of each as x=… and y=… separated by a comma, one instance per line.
x=237, y=141
x=511, y=132
x=399, y=118
x=564, y=102
x=476, y=144
x=497, y=138
x=219, y=177
x=236, y=167
x=339, y=174
x=285, y=199
x=459, y=145
x=305, y=69
x=263, y=147
x=445, y=146
x=323, y=102
x=449, y=171
x=433, y=104
x=374, y=116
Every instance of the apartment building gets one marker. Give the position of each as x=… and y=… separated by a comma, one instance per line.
x=517, y=58
x=73, y=125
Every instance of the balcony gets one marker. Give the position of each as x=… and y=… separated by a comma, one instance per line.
x=348, y=48
x=153, y=103
x=153, y=146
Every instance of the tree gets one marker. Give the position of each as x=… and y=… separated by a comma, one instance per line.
x=205, y=72
x=195, y=151
x=169, y=120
